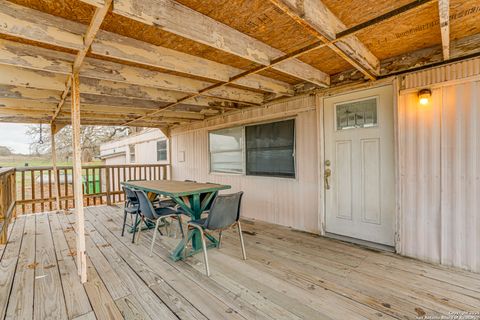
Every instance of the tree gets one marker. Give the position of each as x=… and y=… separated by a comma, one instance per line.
x=91, y=138
x=5, y=151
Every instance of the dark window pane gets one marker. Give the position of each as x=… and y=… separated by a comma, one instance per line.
x=161, y=150
x=270, y=149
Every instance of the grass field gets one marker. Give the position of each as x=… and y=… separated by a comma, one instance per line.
x=33, y=161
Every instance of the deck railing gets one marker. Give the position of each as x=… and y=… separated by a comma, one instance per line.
x=101, y=184
x=32, y=189
x=7, y=200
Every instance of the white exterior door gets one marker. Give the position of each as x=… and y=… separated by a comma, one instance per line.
x=359, y=155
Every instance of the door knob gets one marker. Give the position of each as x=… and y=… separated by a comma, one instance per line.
x=327, y=175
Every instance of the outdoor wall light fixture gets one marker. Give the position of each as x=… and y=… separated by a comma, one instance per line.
x=424, y=96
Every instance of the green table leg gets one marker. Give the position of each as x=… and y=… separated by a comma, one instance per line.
x=195, y=211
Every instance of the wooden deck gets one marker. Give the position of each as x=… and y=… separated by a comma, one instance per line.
x=288, y=275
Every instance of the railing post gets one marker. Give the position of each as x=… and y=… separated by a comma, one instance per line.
x=7, y=201
x=107, y=183
x=53, y=130
x=13, y=192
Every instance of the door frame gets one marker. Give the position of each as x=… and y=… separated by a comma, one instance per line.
x=392, y=81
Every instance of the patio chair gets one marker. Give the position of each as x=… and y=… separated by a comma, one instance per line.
x=148, y=212
x=131, y=206
x=224, y=214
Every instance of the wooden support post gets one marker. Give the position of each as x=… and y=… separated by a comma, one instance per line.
x=53, y=130
x=77, y=179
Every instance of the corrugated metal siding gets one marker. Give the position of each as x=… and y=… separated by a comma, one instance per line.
x=449, y=72
x=290, y=202
x=439, y=158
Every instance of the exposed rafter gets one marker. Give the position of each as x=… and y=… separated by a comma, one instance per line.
x=45, y=86
x=444, y=15
x=130, y=50
x=92, y=30
x=46, y=28
x=319, y=20
x=183, y=21
x=466, y=47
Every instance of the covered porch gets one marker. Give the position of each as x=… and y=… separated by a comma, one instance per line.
x=288, y=275
x=332, y=124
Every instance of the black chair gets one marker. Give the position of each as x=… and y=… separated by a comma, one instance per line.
x=149, y=213
x=224, y=214
x=131, y=206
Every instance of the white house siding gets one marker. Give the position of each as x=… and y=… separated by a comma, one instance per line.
x=290, y=202
x=439, y=158
x=145, y=148
x=120, y=159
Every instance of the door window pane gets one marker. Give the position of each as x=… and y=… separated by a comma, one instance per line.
x=357, y=114
x=270, y=149
x=226, y=150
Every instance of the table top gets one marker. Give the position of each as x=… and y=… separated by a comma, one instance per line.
x=174, y=188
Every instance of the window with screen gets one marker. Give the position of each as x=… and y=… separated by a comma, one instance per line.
x=162, y=150
x=226, y=150
x=131, y=150
x=270, y=149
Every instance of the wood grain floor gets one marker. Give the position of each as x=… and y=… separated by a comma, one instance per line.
x=288, y=275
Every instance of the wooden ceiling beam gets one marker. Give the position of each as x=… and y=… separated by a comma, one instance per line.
x=19, y=83
x=36, y=109
x=17, y=92
x=59, y=62
x=18, y=21
x=314, y=16
x=185, y=22
x=463, y=48
x=133, y=51
x=92, y=30
x=49, y=60
x=121, y=48
x=444, y=16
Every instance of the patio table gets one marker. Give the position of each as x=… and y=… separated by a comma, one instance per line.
x=192, y=197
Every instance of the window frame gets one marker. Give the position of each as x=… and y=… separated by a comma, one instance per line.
x=210, y=170
x=130, y=153
x=244, y=150
x=166, y=150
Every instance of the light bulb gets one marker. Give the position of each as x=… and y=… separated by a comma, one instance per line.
x=424, y=96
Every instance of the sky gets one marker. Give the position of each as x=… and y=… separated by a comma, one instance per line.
x=13, y=135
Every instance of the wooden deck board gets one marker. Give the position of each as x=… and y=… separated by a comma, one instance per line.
x=288, y=275
x=8, y=264
x=21, y=301
x=76, y=298
x=49, y=300
x=102, y=302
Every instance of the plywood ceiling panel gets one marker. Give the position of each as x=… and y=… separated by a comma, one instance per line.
x=353, y=12
x=74, y=10
x=257, y=18
x=412, y=31
x=464, y=18
x=326, y=60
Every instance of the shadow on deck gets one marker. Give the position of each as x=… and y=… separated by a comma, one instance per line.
x=288, y=275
